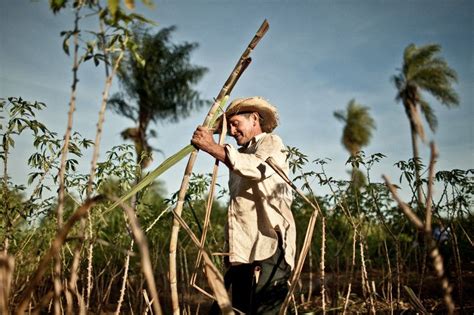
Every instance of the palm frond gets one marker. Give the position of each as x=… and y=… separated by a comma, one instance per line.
x=118, y=104
x=164, y=89
x=418, y=58
x=340, y=115
x=445, y=94
x=400, y=83
x=424, y=70
x=429, y=114
x=407, y=55
x=442, y=66
x=358, y=127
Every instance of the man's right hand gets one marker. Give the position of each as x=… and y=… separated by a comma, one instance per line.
x=203, y=140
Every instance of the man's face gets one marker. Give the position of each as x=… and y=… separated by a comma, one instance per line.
x=244, y=127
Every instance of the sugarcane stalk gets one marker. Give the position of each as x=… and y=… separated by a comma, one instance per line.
x=308, y=236
x=241, y=65
x=214, y=277
x=210, y=198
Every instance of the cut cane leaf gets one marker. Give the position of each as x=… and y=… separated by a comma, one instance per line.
x=163, y=167
x=148, y=179
x=220, y=110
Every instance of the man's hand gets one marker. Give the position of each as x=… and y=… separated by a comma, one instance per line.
x=203, y=140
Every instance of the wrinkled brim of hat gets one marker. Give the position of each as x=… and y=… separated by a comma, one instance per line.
x=269, y=116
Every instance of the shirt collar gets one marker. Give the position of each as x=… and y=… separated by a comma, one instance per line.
x=255, y=139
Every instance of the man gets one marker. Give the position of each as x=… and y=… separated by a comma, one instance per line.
x=260, y=231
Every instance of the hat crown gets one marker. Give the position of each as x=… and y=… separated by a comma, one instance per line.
x=267, y=111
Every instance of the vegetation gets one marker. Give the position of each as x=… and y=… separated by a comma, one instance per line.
x=356, y=134
x=159, y=90
x=358, y=128
x=65, y=249
x=424, y=70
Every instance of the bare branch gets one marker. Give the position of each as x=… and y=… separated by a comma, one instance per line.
x=405, y=208
x=214, y=277
x=54, y=250
x=142, y=243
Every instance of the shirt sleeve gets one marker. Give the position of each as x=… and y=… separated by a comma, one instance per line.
x=252, y=165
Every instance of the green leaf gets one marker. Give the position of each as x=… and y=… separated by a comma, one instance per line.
x=11, y=142
x=57, y=5
x=141, y=18
x=90, y=46
x=102, y=14
x=139, y=59
x=415, y=301
x=113, y=7
x=163, y=167
x=87, y=57
x=33, y=176
x=113, y=41
x=66, y=42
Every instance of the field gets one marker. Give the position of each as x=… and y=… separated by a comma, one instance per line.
x=113, y=241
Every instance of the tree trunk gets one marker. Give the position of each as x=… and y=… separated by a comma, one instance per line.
x=416, y=130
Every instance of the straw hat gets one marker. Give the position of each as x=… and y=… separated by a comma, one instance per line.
x=268, y=112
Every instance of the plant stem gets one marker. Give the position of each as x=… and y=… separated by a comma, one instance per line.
x=53, y=252
x=124, y=280
x=62, y=169
x=346, y=302
x=323, y=253
x=207, y=216
x=147, y=269
x=6, y=195
x=426, y=230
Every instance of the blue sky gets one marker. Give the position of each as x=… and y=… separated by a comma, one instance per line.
x=316, y=57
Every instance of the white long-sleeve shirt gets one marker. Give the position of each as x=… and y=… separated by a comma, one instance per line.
x=260, y=202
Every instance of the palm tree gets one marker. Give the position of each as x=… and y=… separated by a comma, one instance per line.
x=357, y=132
x=160, y=90
x=424, y=70
x=359, y=126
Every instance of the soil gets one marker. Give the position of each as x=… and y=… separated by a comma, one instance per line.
x=431, y=296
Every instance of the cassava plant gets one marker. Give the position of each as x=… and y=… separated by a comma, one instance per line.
x=98, y=46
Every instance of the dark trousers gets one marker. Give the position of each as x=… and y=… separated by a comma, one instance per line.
x=264, y=296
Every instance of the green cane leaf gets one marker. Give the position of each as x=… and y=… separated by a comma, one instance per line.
x=163, y=167
x=113, y=7
x=148, y=179
x=66, y=43
x=141, y=18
